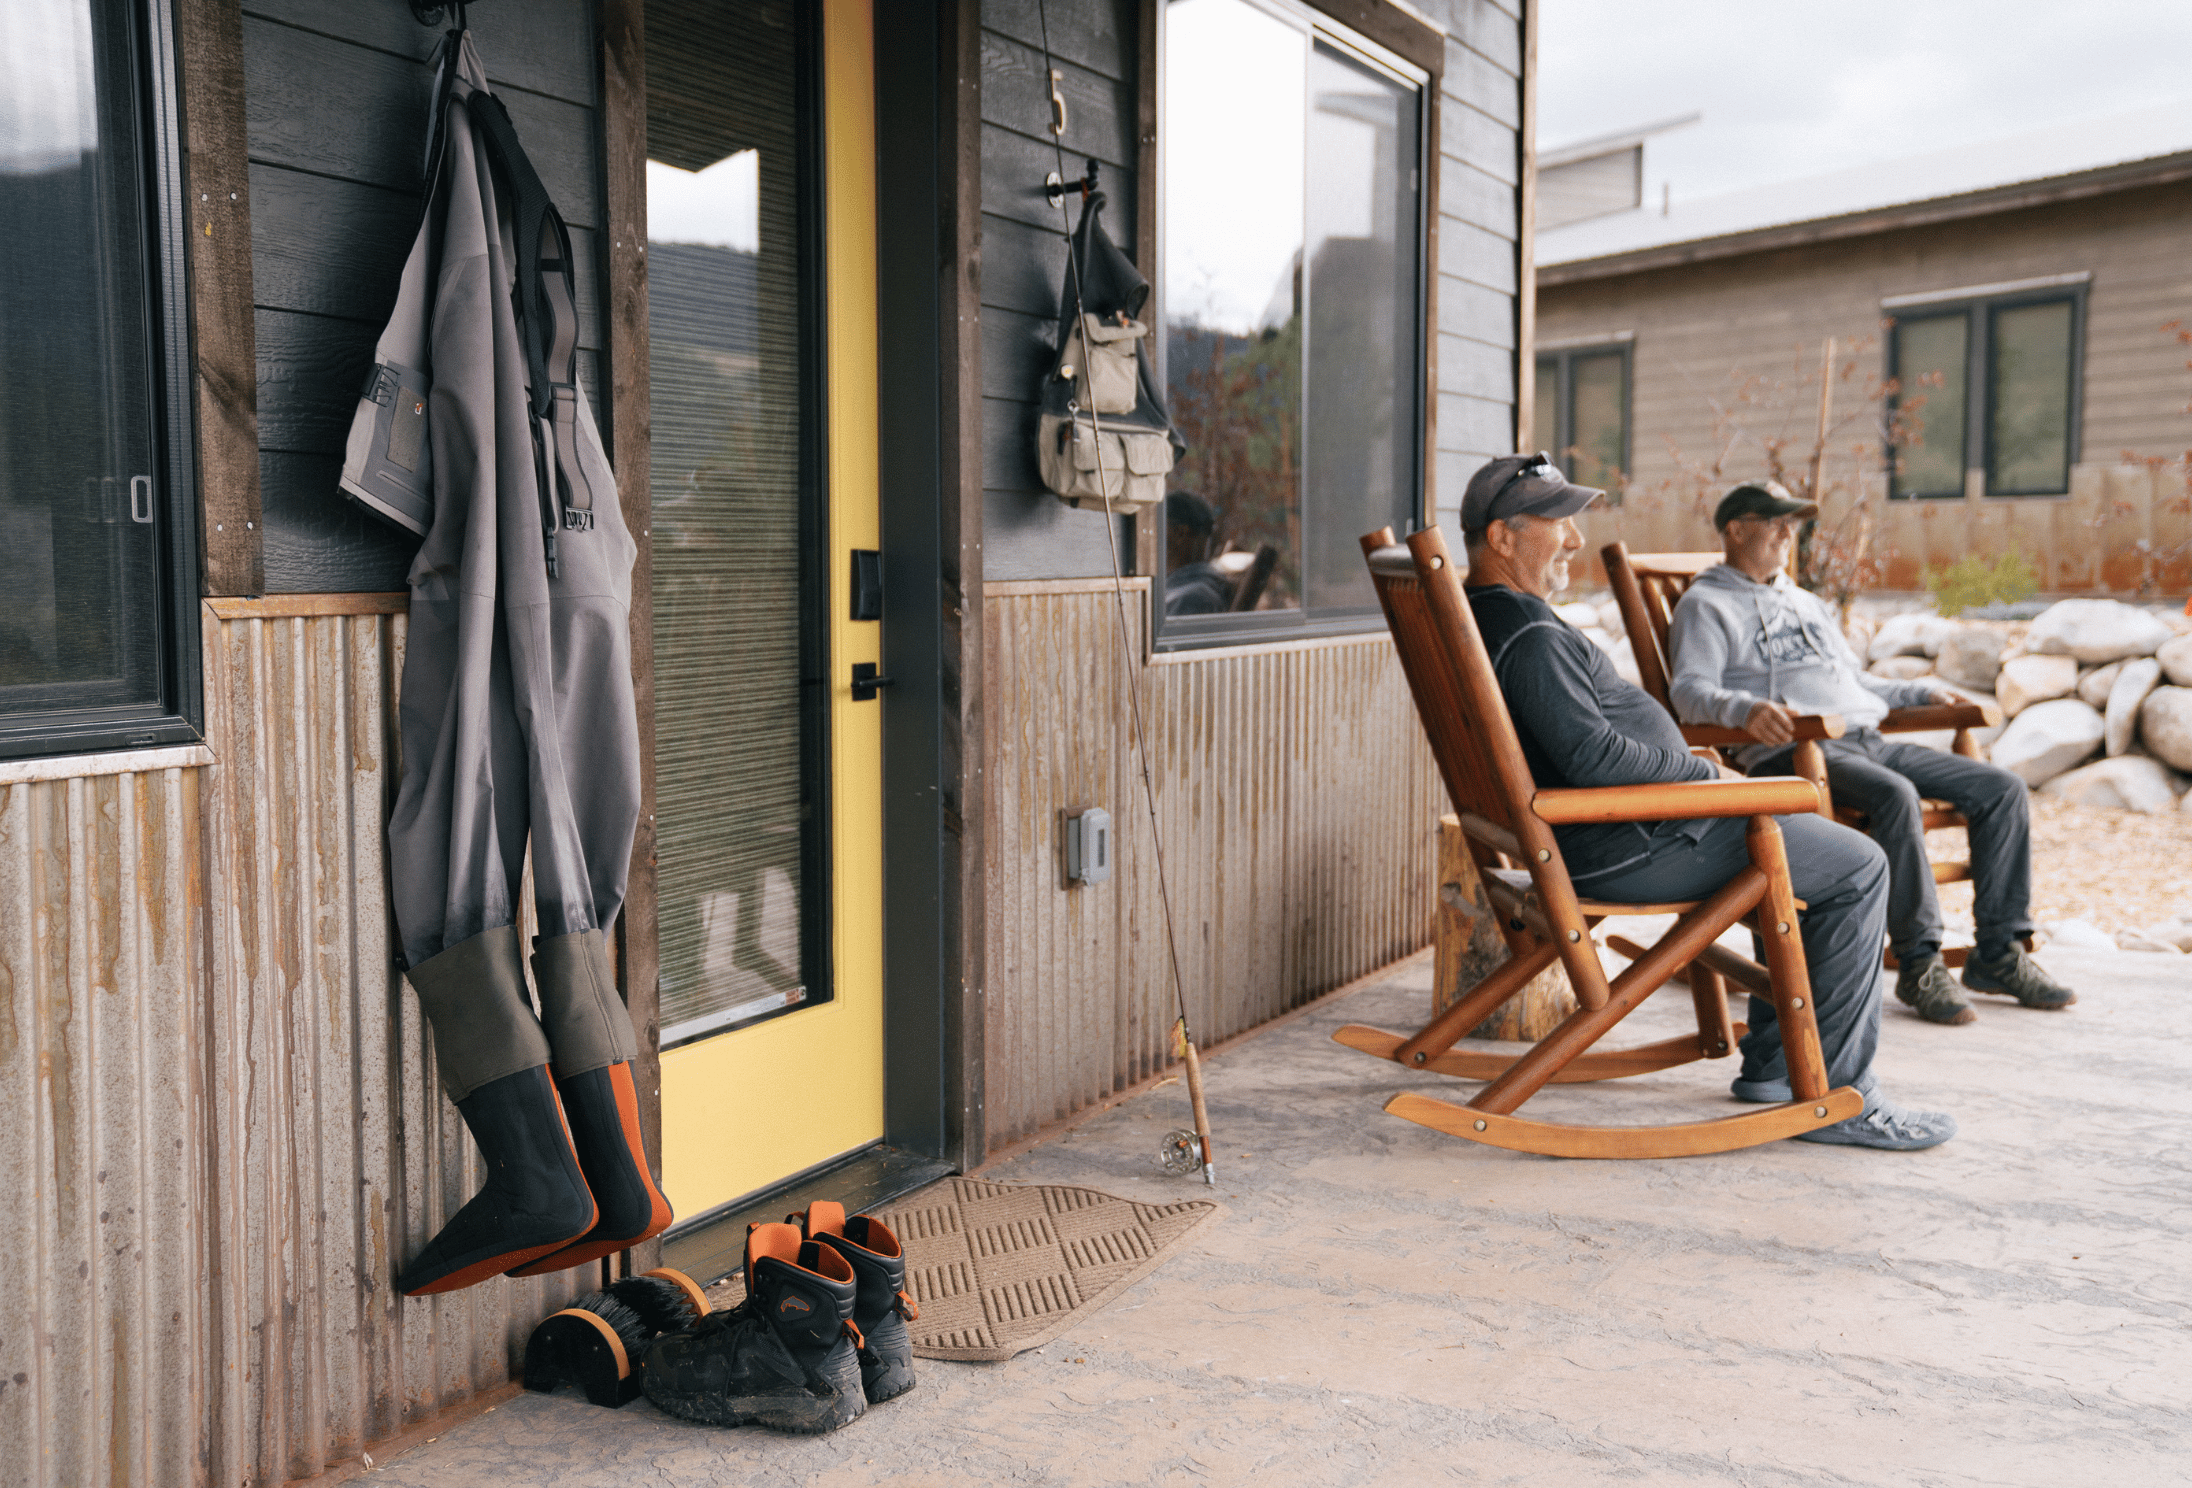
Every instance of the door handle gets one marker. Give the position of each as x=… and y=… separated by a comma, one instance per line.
x=140, y=498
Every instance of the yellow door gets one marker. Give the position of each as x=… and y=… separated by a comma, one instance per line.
x=765, y=479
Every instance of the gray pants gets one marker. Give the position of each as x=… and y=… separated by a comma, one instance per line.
x=1843, y=880
x=1887, y=782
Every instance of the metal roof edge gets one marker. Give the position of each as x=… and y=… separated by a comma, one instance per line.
x=2015, y=196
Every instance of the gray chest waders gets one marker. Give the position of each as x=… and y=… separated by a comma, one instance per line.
x=518, y=725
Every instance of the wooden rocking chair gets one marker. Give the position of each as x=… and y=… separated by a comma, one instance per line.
x=1647, y=586
x=1509, y=823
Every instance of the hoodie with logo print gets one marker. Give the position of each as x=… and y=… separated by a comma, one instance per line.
x=1736, y=642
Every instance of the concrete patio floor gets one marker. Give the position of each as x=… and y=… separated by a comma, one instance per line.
x=1385, y=1305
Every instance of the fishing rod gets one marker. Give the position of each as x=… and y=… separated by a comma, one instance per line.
x=1174, y=1156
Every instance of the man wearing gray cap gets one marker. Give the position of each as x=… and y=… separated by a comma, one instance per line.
x=1582, y=724
x=1750, y=649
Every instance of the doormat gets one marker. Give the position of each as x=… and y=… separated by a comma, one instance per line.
x=1000, y=1268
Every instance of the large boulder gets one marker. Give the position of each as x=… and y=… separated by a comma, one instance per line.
x=1971, y=656
x=1901, y=668
x=2165, y=725
x=2034, y=679
x=2095, y=682
x=2176, y=660
x=1914, y=634
x=2048, y=738
x=2097, y=630
x=2121, y=716
x=2130, y=782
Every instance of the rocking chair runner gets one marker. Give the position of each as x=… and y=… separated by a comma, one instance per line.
x=1509, y=823
x=1647, y=586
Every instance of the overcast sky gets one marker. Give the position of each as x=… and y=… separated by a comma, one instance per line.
x=1791, y=90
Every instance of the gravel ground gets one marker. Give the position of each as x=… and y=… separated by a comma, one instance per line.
x=2117, y=870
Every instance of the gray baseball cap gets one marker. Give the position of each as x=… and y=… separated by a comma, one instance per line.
x=1522, y=485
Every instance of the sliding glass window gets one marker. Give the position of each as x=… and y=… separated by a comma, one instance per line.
x=98, y=634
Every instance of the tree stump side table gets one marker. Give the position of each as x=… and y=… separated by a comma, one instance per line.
x=1466, y=947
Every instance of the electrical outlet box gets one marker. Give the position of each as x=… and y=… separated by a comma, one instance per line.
x=1088, y=845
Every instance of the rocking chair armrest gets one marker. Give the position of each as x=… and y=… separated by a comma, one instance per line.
x=1678, y=800
x=1808, y=726
x=1928, y=717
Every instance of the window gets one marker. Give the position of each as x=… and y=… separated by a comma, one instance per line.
x=1581, y=414
x=1988, y=383
x=1292, y=294
x=735, y=457
x=98, y=633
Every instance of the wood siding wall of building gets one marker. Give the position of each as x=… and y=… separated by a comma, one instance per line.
x=336, y=100
x=228, y=1133
x=2122, y=527
x=1298, y=805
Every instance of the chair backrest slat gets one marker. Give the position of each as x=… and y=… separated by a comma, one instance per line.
x=1647, y=586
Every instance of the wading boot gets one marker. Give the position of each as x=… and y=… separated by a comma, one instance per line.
x=493, y=1061
x=786, y=1357
x=591, y=1035
x=882, y=1308
x=535, y=1200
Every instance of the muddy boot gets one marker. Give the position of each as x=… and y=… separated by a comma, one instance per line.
x=882, y=1308
x=493, y=1063
x=590, y=1032
x=786, y=1357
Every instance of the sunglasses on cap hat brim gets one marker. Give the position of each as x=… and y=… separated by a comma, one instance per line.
x=1543, y=468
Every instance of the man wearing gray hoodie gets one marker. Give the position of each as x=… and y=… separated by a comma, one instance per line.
x=1750, y=649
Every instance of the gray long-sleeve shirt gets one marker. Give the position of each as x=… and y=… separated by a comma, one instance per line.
x=1737, y=642
x=1581, y=723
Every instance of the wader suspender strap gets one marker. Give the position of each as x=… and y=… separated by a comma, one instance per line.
x=547, y=326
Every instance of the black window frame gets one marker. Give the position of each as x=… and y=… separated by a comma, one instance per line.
x=177, y=714
x=1980, y=312
x=1263, y=627
x=1564, y=358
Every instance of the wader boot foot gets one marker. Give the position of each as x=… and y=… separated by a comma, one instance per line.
x=603, y=1109
x=786, y=1357
x=535, y=1200
x=882, y=1307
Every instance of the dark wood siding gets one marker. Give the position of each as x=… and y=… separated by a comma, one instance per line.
x=336, y=98
x=1027, y=532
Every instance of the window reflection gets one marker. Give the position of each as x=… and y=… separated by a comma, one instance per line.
x=1235, y=105
x=78, y=508
x=1292, y=310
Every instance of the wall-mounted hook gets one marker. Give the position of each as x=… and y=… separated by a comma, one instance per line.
x=431, y=15
x=1055, y=188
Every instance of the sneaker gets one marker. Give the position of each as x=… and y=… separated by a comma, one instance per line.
x=787, y=1357
x=1887, y=1126
x=1762, y=1092
x=2018, y=975
x=1924, y=985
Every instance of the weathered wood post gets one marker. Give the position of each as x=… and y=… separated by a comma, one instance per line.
x=1467, y=946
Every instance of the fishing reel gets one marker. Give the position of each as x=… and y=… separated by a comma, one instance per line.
x=1180, y=1154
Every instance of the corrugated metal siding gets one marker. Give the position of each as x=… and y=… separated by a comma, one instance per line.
x=1298, y=805
x=232, y=1131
